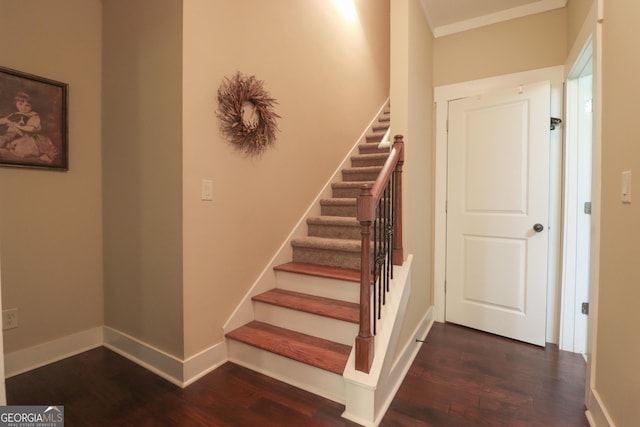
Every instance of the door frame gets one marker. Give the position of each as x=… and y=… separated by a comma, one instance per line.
x=442, y=96
x=577, y=226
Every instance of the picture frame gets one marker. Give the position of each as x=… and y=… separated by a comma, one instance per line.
x=33, y=121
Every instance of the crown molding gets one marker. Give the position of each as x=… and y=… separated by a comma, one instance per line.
x=494, y=18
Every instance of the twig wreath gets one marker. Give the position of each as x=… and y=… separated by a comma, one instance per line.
x=245, y=111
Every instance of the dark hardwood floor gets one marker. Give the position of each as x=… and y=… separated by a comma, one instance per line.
x=460, y=377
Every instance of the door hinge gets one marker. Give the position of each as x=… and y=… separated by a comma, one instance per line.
x=446, y=206
x=587, y=208
x=585, y=308
x=445, y=286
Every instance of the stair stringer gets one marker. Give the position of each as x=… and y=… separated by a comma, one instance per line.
x=369, y=395
x=243, y=313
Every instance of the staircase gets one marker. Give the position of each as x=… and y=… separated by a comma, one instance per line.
x=304, y=328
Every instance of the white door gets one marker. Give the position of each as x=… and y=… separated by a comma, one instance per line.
x=497, y=212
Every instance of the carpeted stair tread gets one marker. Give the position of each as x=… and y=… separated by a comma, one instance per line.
x=314, y=351
x=346, y=274
x=335, y=227
x=369, y=148
x=363, y=173
x=338, y=206
x=344, y=245
x=344, y=221
x=376, y=169
x=332, y=308
x=376, y=136
x=348, y=188
x=373, y=159
x=344, y=253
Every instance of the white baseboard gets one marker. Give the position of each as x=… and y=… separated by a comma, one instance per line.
x=199, y=365
x=180, y=372
x=20, y=361
x=597, y=413
x=157, y=361
x=173, y=369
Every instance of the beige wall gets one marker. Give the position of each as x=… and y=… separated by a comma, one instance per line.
x=50, y=222
x=618, y=342
x=523, y=44
x=142, y=161
x=412, y=116
x=577, y=11
x=329, y=75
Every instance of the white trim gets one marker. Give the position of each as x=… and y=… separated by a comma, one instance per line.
x=585, y=37
x=398, y=372
x=597, y=413
x=155, y=360
x=368, y=396
x=179, y=372
x=477, y=87
x=442, y=96
x=200, y=364
x=298, y=374
x=20, y=361
x=596, y=198
x=405, y=360
x=171, y=368
x=577, y=170
x=494, y=18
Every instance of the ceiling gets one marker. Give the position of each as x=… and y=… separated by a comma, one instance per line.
x=452, y=16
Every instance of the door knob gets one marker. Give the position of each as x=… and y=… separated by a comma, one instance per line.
x=538, y=228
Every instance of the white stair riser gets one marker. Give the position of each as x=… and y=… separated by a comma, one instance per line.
x=306, y=377
x=319, y=286
x=307, y=323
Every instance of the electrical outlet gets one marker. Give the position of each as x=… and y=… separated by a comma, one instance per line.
x=9, y=319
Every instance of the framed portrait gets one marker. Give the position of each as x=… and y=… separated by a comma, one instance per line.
x=33, y=121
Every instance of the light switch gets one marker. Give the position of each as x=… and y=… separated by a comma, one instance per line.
x=625, y=192
x=207, y=189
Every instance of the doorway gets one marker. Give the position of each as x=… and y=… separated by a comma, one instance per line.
x=498, y=211
x=445, y=94
x=577, y=204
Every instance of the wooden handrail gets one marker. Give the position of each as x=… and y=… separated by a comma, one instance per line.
x=366, y=214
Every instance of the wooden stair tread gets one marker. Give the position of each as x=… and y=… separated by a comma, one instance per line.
x=318, y=352
x=320, y=271
x=332, y=308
